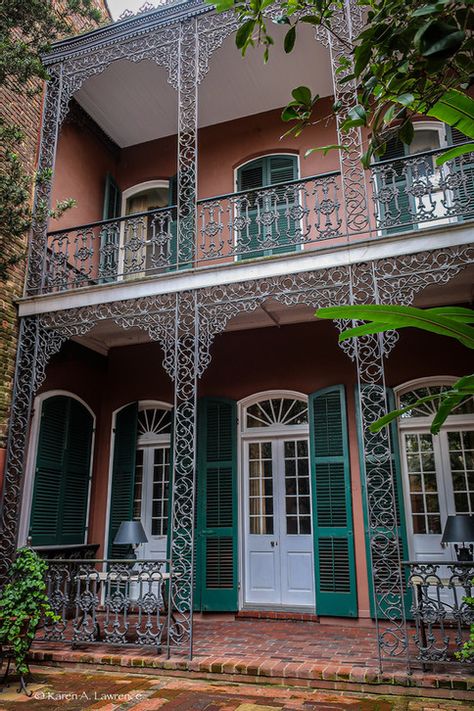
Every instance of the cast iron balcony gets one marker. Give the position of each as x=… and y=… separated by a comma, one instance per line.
x=405, y=195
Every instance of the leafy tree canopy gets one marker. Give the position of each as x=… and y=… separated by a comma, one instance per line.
x=27, y=29
x=412, y=57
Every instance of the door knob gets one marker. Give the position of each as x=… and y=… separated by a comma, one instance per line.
x=273, y=544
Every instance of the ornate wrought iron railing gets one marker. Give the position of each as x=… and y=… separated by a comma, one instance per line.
x=119, y=602
x=441, y=615
x=412, y=192
x=405, y=194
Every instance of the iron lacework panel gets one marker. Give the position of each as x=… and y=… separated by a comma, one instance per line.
x=282, y=218
x=186, y=325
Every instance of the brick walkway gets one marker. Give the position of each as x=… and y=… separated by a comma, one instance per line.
x=54, y=690
x=309, y=654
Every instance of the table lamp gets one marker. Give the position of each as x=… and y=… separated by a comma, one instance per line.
x=460, y=529
x=130, y=533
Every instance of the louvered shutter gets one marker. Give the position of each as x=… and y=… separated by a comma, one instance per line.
x=262, y=173
x=365, y=466
x=332, y=507
x=463, y=166
x=123, y=475
x=393, y=178
x=61, y=487
x=76, y=474
x=283, y=169
x=110, y=233
x=216, y=534
x=45, y=508
x=250, y=178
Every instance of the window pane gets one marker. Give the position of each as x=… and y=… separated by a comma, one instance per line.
x=419, y=525
x=297, y=486
x=260, y=488
x=461, y=459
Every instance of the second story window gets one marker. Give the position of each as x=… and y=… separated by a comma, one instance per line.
x=269, y=224
x=411, y=190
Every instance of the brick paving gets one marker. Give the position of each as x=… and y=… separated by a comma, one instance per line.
x=56, y=689
x=340, y=657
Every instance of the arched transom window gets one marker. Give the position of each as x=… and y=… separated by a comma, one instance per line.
x=276, y=412
x=153, y=422
x=429, y=408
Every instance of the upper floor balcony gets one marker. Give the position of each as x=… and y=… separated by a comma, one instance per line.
x=164, y=187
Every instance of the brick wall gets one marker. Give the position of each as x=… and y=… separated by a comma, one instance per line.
x=24, y=111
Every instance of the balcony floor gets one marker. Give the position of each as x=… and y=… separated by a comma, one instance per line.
x=338, y=656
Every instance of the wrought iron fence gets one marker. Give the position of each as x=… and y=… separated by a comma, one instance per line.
x=109, y=250
x=266, y=221
x=406, y=194
x=109, y=602
x=440, y=612
x=412, y=192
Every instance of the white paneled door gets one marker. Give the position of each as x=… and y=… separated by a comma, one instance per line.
x=278, y=543
x=151, y=498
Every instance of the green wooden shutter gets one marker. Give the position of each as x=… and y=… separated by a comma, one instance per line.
x=123, y=475
x=77, y=474
x=60, y=493
x=262, y=173
x=401, y=207
x=365, y=466
x=110, y=233
x=336, y=592
x=250, y=177
x=216, y=531
x=283, y=169
x=112, y=199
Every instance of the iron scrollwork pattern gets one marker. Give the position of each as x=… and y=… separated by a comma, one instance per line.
x=184, y=470
x=42, y=200
x=187, y=140
x=383, y=530
x=36, y=345
x=106, y=601
x=442, y=616
x=354, y=188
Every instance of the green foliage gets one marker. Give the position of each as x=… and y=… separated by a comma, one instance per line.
x=467, y=650
x=14, y=195
x=451, y=321
x=23, y=603
x=27, y=30
x=445, y=321
x=409, y=59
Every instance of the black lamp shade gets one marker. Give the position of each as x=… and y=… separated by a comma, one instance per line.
x=130, y=533
x=459, y=529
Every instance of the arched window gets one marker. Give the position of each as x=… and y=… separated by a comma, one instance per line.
x=276, y=412
x=438, y=469
x=267, y=208
x=62, y=472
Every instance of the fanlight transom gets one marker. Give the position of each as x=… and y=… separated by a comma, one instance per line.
x=277, y=412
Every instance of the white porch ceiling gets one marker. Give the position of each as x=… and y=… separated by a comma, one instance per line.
x=133, y=103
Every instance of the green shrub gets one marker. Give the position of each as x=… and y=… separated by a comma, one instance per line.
x=23, y=603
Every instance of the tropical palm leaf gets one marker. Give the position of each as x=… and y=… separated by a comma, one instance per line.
x=393, y=317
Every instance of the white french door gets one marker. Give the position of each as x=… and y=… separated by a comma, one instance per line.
x=438, y=481
x=278, y=543
x=151, y=498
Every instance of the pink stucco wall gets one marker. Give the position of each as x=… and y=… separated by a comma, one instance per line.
x=301, y=357
x=83, y=160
